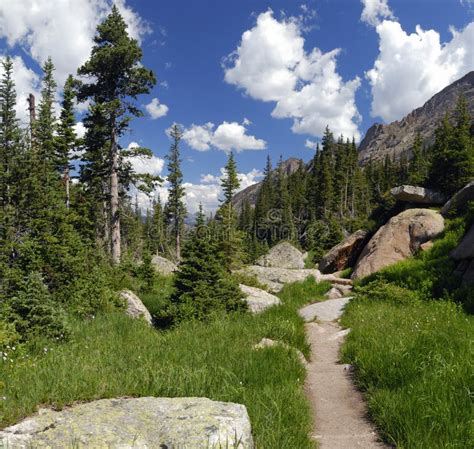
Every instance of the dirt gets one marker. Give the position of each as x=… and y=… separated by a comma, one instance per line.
x=339, y=411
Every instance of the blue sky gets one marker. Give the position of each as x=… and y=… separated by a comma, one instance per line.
x=301, y=65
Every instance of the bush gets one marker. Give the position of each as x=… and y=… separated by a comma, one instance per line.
x=9, y=337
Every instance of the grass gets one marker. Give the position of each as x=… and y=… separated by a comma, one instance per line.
x=113, y=355
x=415, y=361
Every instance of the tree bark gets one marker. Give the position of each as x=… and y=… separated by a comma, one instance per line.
x=114, y=202
x=66, y=179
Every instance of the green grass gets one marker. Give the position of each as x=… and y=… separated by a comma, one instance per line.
x=113, y=355
x=415, y=360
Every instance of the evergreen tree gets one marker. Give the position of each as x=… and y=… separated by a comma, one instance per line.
x=418, y=166
x=66, y=141
x=117, y=77
x=230, y=183
x=175, y=208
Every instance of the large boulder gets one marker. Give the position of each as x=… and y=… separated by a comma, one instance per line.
x=148, y=422
x=135, y=306
x=163, y=266
x=417, y=195
x=460, y=199
x=282, y=255
x=399, y=239
x=344, y=254
x=464, y=255
x=257, y=299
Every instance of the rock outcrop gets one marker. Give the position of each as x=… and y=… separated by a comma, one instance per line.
x=257, y=299
x=269, y=343
x=344, y=254
x=282, y=255
x=274, y=278
x=417, y=195
x=399, y=239
x=398, y=137
x=464, y=255
x=148, y=422
x=135, y=306
x=460, y=199
x=163, y=266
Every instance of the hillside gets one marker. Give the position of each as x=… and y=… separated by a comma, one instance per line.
x=398, y=137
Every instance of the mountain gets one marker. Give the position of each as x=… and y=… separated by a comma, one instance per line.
x=398, y=137
x=250, y=193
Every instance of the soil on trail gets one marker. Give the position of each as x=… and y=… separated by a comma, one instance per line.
x=339, y=411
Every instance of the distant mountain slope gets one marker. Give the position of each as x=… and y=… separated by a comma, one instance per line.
x=250, y=193
x=397, y=137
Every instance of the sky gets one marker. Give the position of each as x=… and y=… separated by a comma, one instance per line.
x=256, y=77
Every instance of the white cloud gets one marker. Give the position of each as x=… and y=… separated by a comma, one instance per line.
x=375, y=11
x=411, y=68
x=61, y=29
x=226, y=137
x=311, y=144
x=271, y=64
x=156, y=109
x=80, y=129
x=146, y=165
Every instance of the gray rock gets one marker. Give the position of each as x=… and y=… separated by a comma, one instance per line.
x=135, y=307
x=269, y=343
x=324, y=311
x=417, y=195
x=141, y=423
x=163, y=266
x=282, y=255
x=258, y=300
x=399, y=239
x=460, y=199
x=344, y=254
x=334, y=293
x=464, y=254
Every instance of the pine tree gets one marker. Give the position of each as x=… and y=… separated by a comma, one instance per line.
x=283, y=223
x=117, y=76
x=66, y=141
x=230, y=183
x=175, y=208
x=418, y=166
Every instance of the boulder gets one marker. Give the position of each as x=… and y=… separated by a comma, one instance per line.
x=163, y=266
x=135, y=307
x=399, y=239
x=417, y=195
x=135, y=423
x=282, y=255
x=334, y=293
x=344, y=254
x=258, y=300
x=464, y=254
x=460, y=199
x=275, y=278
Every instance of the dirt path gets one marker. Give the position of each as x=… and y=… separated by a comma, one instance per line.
x=338, y=408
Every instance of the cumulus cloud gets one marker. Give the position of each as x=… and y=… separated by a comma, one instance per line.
x=146, y=165
x=156, y=109
x=271, y=64
x=375, y=11
x=61, y=29
x=311, y=144
x=415, y=67
x=80, y=129
x=226, y=137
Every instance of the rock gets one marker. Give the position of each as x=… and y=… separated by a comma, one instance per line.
x=464, y=254
x=269, y=343
x=283, y=255
x=274, y=278
x=324, y=311
x=258, y=300
x=417, y=195
x=426, y=246
x=163, y=266
x=135, y=307
x=399, y=239
x=460, y=199
x=344, y=254
x=138, y=423
x=334, y=293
